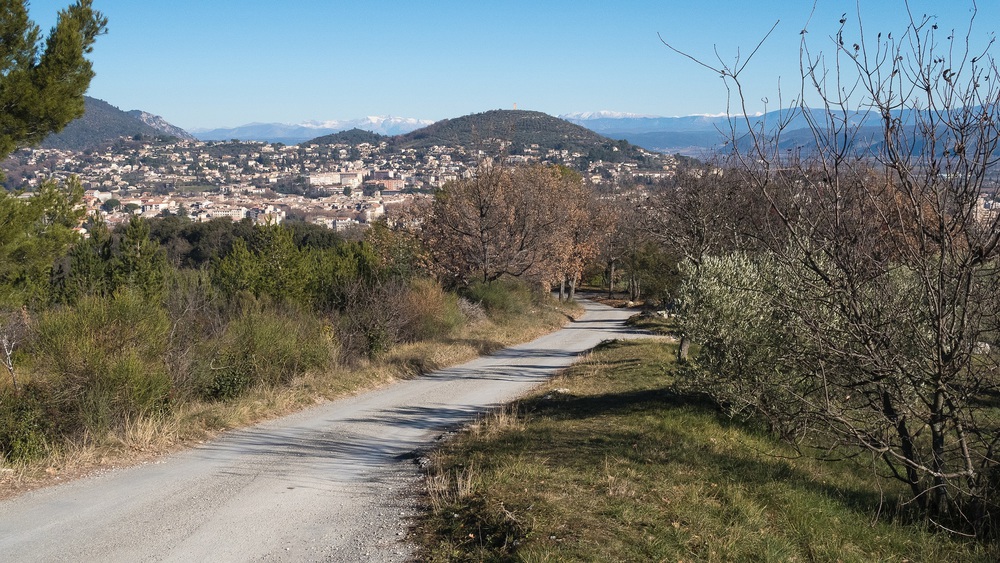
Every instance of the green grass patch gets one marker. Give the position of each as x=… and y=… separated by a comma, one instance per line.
x=608, y=463
x=655, y=324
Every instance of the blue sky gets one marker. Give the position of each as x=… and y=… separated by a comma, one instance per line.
x=220, y=63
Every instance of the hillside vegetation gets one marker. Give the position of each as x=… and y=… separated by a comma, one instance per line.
x=351, y=137
x=162, y=331
x=100, y=124
x=512, y=132
x=519, y=127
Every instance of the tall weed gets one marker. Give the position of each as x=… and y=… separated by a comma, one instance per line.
x=263, y=346
x=101, y=362
x=503, y=297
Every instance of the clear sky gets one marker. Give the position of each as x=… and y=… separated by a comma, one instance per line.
x=223, y=63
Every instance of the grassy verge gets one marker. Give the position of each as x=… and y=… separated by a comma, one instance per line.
x=192, y=421
x=655, y=324
x=607, y=464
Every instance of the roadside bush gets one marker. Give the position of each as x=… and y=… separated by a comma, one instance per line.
x=505, y=297
x=370, y=322
x=24, y=425
x=378, y=316
x=262, y=346
x=428, y=312
x=102, y=361
x=198, y=314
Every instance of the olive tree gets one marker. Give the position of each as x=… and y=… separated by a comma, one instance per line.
x=877, y=297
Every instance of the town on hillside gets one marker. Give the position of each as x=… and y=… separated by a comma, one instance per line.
x=340, y=186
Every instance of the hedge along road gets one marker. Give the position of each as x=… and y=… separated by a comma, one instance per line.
x=334, y=482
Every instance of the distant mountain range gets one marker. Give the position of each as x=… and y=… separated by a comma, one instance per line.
x=294, y=134
x=701, y=135
x=693, y=135
x=697, y=136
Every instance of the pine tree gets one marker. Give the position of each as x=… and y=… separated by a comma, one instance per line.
x=41, y=89
x=89, y=266
x=34, y=232
x=141, y=263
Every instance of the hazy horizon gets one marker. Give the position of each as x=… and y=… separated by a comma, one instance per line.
x=209, y=65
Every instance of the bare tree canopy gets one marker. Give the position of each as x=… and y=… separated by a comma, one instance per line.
x=532, y=222
x=870, y=313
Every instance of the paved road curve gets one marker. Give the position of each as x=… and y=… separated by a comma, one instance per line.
x=324, y=484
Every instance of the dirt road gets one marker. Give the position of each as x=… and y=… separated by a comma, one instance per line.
x=326, y=484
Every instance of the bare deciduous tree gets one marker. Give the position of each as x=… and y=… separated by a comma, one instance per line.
x=881, y=287
x=521, y=222
x=13, y=329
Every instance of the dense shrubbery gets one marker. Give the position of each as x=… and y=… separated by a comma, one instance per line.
x=102, y=362
x=262, y=346
x=506, y=296
x=136, y=321
x=25, y=427
x=428, y=312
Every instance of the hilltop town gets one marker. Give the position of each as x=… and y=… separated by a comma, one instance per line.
x=338, y=185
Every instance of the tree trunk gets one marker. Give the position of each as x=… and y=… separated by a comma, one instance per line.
x=683, y=348
x=611, y=279
x=906, y=444
x=940, y=493
x=572, y=287
x=635, y=290
x=562, y=288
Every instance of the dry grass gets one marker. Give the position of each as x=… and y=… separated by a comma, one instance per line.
x=192, y=422
x=449, y=487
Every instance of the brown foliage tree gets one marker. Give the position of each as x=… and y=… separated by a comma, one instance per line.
x=526, y=222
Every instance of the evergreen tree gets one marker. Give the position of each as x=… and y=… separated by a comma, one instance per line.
x=41, y=89
x=141, y=263
x=282, y=273
x=89, y=265
x=34, y=232
x=239, y=271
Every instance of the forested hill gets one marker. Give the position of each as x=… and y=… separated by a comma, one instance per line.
x=351, y=137
x=513, y=132
x=519, y=127
x=101, y=123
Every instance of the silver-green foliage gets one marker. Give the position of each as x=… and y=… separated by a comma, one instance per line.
x=830, y=354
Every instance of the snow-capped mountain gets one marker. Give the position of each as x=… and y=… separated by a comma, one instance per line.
x=383, y=125
x=603, y=114
x=291, y=134
x=699, y=135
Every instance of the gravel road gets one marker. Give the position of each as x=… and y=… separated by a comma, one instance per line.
x=326, y=484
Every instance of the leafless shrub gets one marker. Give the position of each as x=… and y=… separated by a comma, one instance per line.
x=472, y=311
x=13, y=329
x=369, y=324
